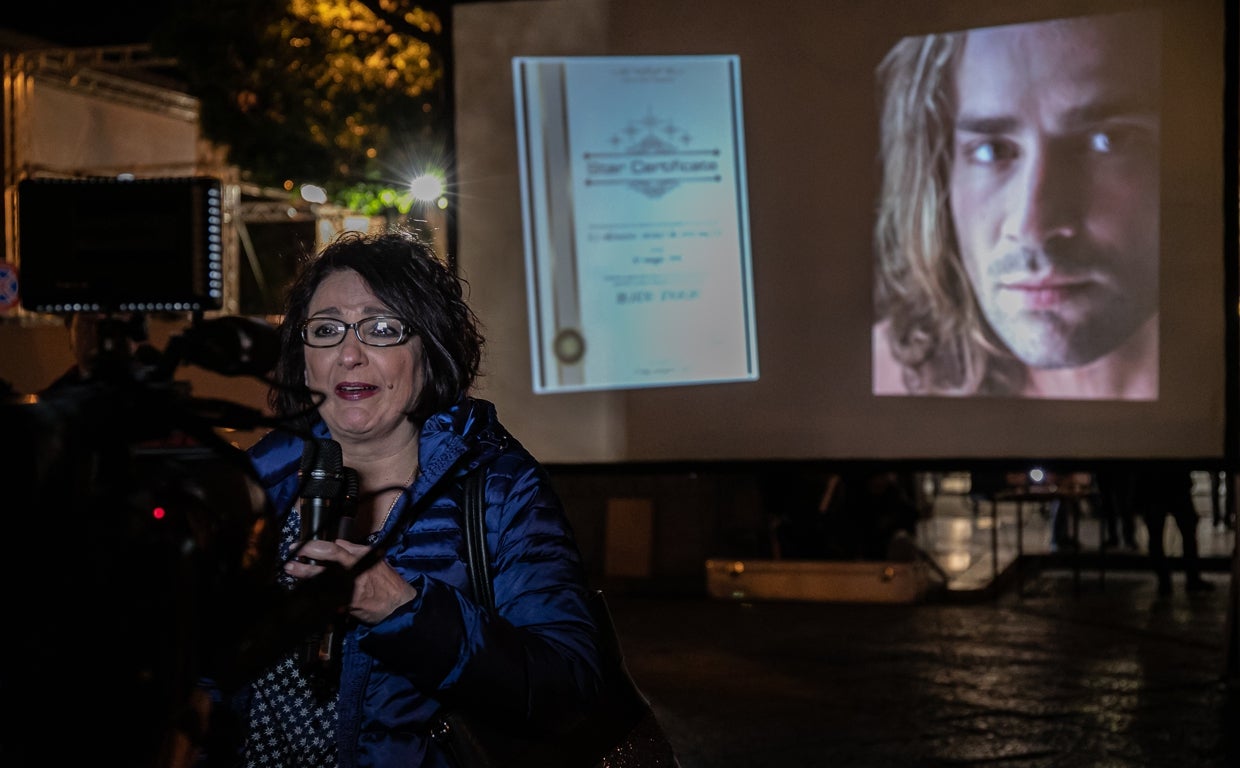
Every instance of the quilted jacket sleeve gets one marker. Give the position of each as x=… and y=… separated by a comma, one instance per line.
x=537, y=659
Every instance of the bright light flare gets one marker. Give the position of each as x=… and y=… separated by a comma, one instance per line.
x=426, y=187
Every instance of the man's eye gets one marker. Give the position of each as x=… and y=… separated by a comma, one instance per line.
x=1102, y=142
x=1122, y=139
x=988, y=152
x=1133, y=137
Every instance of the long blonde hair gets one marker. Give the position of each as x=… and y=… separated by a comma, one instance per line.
x=937, y=332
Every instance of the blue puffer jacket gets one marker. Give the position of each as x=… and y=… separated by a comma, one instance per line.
x=538, y=662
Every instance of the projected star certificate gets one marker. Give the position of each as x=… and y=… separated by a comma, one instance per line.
x=638, y=266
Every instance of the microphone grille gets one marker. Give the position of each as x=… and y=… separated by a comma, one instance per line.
x=322, y=465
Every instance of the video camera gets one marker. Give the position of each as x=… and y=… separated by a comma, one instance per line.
x=150, y=544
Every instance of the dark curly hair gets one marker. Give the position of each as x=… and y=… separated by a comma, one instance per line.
x=403, y=271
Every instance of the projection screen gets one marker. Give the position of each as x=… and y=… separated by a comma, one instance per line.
x=1034, y=268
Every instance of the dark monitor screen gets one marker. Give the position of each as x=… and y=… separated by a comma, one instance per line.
x=115, y=244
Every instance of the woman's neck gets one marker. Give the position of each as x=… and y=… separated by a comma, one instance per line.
x=384, y=469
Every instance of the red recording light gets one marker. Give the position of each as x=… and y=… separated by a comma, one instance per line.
x=158, y=513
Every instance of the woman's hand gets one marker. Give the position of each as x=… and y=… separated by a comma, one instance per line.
x=377, y=591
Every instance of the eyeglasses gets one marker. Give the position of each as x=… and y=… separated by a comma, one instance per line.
x=377, y=331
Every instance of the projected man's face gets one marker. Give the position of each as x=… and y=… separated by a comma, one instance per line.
x=1054, y=183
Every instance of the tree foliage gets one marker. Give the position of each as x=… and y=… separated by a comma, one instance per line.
x=345, y=94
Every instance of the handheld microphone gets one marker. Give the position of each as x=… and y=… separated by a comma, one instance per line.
x=323, y=497
x=322, y=482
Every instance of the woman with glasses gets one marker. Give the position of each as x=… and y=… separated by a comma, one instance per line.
x=379, y=350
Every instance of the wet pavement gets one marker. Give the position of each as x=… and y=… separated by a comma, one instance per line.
x=1057, y=675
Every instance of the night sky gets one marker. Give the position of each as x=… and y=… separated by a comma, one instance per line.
x=86, y=23
x=75, y=23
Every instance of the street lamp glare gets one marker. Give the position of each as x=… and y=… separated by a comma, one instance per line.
x=426, y=187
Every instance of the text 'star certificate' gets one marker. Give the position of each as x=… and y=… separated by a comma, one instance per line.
x=634, y=202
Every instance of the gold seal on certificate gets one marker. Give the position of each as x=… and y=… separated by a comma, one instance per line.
x=570, y=347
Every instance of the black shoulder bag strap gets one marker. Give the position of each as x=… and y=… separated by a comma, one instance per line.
x=620, y=730
x=476, y=540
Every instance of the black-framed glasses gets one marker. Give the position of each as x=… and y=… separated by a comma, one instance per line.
x=377, y=331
